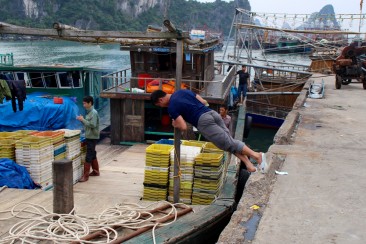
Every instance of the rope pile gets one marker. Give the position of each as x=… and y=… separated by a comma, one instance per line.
x=40, y=224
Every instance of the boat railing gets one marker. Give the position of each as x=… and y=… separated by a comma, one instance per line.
x=273, y=75
x=121, y=82
x=266, y=109
x=7, y=59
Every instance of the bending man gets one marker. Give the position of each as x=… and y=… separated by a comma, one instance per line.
x=184, y=105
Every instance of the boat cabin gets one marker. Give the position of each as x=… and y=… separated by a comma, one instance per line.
x=60, y=80
x=153, y=66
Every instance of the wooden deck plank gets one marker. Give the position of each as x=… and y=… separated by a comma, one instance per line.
x=9, y=197
x=122, y=170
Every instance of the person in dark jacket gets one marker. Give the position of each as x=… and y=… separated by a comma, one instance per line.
x=91, y=124
x=243, y=83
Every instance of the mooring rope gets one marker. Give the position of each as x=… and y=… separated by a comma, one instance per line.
x=40, y=224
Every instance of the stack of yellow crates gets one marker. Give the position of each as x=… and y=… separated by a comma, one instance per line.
x=188, y=153
x=58, y=141
x=7, y=148
x=208, y=175
x=36, y=154
x=7, y=144
x=157, y=172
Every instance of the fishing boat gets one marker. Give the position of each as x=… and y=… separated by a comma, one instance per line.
x=287, y=45
x=154, y=65
x=58, y=80
x=195, y=34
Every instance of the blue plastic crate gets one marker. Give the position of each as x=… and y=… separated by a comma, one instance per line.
x=59, y=150
x=165, y=141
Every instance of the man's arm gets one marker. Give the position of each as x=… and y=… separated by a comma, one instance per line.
x=203, y=101
x=92, y=123
x=180, y=123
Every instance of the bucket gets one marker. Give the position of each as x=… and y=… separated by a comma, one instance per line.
x=58, y=100
x=141, y=80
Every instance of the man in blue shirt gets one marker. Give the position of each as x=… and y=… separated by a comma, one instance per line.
x=184, y=105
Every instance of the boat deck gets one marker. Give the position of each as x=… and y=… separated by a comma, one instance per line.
x=121, y=181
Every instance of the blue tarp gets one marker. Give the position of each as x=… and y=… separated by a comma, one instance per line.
x=40, y=113
x=13, y=175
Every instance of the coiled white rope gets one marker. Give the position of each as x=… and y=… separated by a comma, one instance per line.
x=40, y=224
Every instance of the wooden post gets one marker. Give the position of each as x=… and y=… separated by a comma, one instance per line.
x=177, y=132
x=63, y=193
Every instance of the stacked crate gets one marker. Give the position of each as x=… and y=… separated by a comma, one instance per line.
x=36, y=154
x=186, y=167
x=7, y=144
x=208, y=175
x=157, y=172
x=7, y=148
x=73, y=151
x=58, y=141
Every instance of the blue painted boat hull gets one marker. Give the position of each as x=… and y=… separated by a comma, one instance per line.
x=265, y=121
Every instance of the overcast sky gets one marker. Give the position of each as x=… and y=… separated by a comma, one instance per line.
x=302, y=6
x=308, y=7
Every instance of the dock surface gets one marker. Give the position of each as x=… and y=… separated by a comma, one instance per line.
x=322, y=199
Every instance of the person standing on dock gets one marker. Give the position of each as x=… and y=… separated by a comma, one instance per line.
x=184, y=105
x=91, y=125
x=226, y=118
x=243, y=83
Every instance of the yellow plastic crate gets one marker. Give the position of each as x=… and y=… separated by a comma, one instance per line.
x=7, y=143
x=186, y=185
x=33, y=142
x=26, y=132
x=209, y=147
x=208, y=168
x=193, y=143
x=60, y=156
x=159, y=149
x=55, y=136
x=206, y=184
x=185, y=193
x=181, y=199
x=209, y=159
x=154, y=194
x=11, y=135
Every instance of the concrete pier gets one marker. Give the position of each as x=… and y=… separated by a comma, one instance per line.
x=322, y=199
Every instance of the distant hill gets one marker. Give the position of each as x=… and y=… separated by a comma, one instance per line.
x=132, y=15
x=318, y=21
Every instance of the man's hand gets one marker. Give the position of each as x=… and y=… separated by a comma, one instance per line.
x=179, y=123
x=80, y=117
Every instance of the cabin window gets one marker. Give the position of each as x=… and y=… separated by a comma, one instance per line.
x=165, y=63
x=36, y=79
x=23, y=76
x=152, y=62
x=70, y=79
x=65, y=79
x=189, y=64
x=50, y=80
x=76, y=79
x=139, y=62
x=188, y=57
